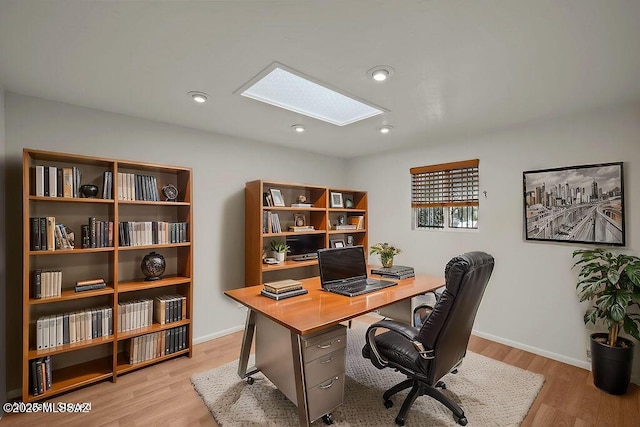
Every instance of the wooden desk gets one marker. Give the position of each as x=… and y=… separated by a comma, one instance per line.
x=307, y=316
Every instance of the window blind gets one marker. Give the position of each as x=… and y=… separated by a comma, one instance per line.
x=445, y=185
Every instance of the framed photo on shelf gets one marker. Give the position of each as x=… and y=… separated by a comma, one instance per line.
x=276, y=195
x=336, y=200
x=575, y=204
x=349, y=240
x=339, y=243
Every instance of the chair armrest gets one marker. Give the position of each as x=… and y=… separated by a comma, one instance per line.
x=408, y=332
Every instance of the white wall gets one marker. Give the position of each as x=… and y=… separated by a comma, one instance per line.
x=531, y=300
x=3, y=389
x=221, y=166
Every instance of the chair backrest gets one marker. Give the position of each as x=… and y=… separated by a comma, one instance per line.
x=448, y=327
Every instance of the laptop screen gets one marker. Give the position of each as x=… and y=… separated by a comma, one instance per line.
x=340, y=264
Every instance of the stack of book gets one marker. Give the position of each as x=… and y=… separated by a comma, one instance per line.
x=283, y=289
x=395, y=272
x=90, y=285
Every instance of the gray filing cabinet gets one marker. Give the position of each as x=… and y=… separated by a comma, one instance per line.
x=323, y=359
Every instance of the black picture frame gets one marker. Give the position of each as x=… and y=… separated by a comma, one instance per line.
x=338, y=243
x=575, y=204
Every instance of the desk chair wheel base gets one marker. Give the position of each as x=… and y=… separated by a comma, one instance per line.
x=250, y=380
x=328, y=419
x=463, y=421
x=441, y=385
x=388, y=404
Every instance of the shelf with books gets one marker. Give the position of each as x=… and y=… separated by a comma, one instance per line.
x=124, y=366
x=163, y=194
x=294, y=205
x=79, y=375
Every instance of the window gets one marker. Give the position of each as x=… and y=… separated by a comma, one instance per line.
x=445, y=195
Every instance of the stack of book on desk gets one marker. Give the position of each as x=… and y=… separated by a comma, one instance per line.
x=283, y=289
x=395, y=272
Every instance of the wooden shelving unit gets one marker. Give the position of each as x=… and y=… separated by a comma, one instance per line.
x=85, y=362
x=321, y=215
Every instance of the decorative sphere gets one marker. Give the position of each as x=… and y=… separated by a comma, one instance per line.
x=153, y=265
x=89, y=190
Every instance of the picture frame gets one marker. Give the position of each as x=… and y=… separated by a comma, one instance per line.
x=276, y=196
x=299, y=220
x=336, y=200
x=349, y=240
x=338, y=243
x=575, y=204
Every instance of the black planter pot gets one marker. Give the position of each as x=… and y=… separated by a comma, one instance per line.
x=611, y=366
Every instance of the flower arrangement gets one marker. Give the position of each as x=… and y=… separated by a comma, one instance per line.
x=386, y=252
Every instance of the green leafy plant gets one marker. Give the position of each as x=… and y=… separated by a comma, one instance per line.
x=386, y=252
x=279, y=246
x=612, y=283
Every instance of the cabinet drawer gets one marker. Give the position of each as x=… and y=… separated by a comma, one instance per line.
x=326, y=366
x=326, y=396
x=325, y=343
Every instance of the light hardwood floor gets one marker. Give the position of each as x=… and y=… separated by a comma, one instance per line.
x=162, y=395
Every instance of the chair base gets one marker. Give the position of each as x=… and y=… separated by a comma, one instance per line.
x=419, y=388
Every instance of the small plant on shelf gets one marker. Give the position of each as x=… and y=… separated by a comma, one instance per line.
x=386, y=252
x=279, y=249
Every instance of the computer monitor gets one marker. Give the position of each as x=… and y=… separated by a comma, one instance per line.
x=304, y=246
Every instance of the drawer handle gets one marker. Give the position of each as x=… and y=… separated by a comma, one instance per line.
x=328, y=345
x=333, y=381
x=324, y=362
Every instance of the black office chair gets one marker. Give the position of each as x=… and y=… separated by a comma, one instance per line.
x=427, y=354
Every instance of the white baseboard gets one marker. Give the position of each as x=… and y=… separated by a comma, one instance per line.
x=218, y=334
x=554, y=356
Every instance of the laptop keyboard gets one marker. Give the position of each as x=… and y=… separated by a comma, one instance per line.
x=357, y=287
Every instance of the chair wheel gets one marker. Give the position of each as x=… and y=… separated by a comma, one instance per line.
x=462, y=421
x=250, y=380
x=400, y=421
x=455, y=371
x=328, y=419
x=442, y=385
x=388, y=404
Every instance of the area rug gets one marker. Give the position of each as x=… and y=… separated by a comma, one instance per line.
x=490, y=392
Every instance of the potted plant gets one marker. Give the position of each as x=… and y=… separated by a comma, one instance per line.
x=611, y=282
x=279, y=249
x=386, y=252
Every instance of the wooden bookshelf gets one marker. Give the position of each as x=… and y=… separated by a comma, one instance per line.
x=322, y=215
x=76, y=364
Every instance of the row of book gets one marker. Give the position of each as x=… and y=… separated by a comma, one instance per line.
x=142, y=313
x=157, y=344
x=41, y=375
x=52, y=181
x=97, y=234
x=46, y=235
x=271, y=223
x=68, y=328
x=139, y=233
x=283, y=289
x=395, y=272
x=137, y=187
x=46, y=284
x=107, y=185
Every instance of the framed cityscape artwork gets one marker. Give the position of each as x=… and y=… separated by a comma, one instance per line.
x=578, y=204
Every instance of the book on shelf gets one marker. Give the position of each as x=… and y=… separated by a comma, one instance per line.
x=346, y=227
x=282, y=286
x=357, y=220
x=396, y=271
x=301, y=205
x=283, y=295
x=301, y=228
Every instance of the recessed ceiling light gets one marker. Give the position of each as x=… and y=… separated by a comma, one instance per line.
x=199, y=97
x=298, y=128
x=380, y=73
x=385, y=129
x=286, y=88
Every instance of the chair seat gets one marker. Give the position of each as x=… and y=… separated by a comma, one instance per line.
x=398, y=351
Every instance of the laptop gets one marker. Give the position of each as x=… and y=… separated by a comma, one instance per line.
x=344, y=271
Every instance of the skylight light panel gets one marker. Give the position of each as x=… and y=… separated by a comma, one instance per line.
x=286, y=89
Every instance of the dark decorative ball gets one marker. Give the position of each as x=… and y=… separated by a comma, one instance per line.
x=153, y=265
x=89, y=190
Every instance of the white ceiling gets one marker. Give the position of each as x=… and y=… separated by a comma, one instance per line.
x=461, y=67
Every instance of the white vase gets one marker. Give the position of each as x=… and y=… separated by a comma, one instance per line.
x=279, y=256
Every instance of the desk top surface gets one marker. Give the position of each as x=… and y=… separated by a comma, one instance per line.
x=318, y=309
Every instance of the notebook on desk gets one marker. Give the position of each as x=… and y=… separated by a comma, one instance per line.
x=344, y=271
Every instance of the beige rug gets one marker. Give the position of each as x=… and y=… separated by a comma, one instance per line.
x=491, y=393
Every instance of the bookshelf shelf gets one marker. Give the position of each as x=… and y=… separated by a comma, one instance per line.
x=149, y=329
x=134, y=194
x=260, y=217
x=124, y=366
x=68, y=295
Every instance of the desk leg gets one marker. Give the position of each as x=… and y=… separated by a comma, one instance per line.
x=247, y=339
x=298, y=372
